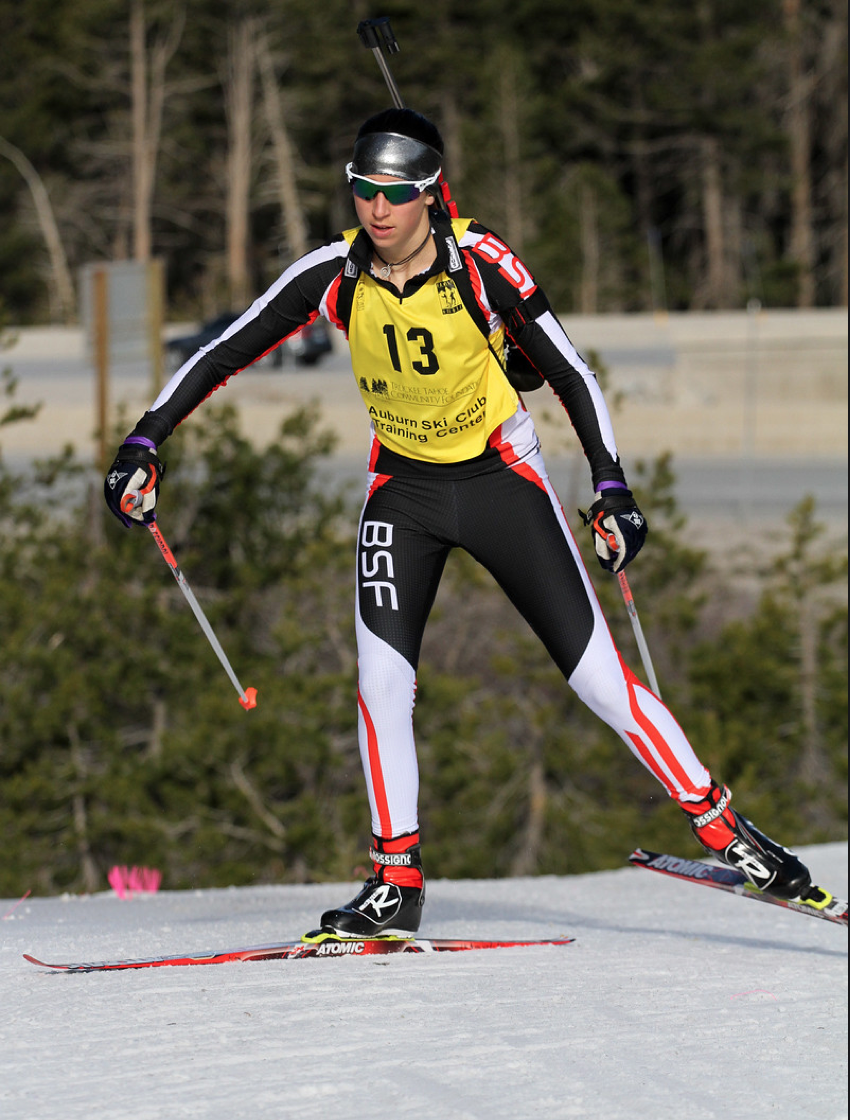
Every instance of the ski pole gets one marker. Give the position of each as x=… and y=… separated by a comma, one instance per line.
x=247, y=696
x=628, y=598
x=638, y=629
x=376, y=34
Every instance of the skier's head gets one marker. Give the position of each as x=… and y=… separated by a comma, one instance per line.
x=401, y=143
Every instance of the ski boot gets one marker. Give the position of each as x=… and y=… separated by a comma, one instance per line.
x=390, y=901
x=735, y=841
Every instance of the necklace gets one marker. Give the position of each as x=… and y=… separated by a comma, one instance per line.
x=386, y=271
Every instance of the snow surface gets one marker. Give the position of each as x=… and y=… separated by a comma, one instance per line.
x=674, y=1001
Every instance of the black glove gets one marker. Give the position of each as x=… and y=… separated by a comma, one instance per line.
x=131, y=487
x=619, y=528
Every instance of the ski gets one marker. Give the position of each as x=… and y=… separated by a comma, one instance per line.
x=320, y=945
x=826, y=906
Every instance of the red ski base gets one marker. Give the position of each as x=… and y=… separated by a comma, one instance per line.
x=323, y=946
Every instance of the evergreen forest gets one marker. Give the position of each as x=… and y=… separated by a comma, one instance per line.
x=642, y=156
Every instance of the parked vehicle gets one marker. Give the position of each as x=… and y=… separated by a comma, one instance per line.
x=304, y=349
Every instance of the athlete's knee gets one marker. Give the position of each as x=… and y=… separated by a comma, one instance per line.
x=604, y=693
x=600, y=678
x=386, y=682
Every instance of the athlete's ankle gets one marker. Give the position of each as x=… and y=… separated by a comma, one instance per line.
x=710, y=817
x=397, y=859
x=734, y=840
x=390, y=901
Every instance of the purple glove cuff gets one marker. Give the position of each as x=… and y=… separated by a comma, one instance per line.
x=142, y=440
x=603, y=485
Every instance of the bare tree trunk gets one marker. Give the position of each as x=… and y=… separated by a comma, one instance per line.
x=239, y=91
x=734, y=251
x=143, y=173
x=158, y=727
x=290, y=203
x=445, y=34
x=643, y=203
x=845, y=242
x=712, y=212
x=88, y=867
x=63, y=287
x=529, y=845
x=148, y=94
x=452, y=139
x=799, y=137
x=813, y=769
x=830, y=82
x=509, y=120
x=589, y=222
x=255, y=799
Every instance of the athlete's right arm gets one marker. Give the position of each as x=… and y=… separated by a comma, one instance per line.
x=305, y=290
x=297, y=297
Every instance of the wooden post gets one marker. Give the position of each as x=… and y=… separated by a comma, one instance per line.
x=100, y=322
x=156, y=300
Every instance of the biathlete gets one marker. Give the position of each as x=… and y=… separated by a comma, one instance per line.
x=425, y=300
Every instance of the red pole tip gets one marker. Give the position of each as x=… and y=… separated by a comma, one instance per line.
x=249, y=700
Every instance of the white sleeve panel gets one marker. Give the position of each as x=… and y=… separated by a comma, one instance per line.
x=288, y=291
x=556, y=334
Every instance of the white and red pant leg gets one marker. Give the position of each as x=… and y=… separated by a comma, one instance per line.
x=512, y=522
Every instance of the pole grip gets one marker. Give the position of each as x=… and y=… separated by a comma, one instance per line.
x=377, y=35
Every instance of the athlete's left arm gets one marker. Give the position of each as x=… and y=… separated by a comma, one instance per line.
x=509, y=290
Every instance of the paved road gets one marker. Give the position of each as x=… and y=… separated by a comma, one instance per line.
x=720, y=493
x=724, y=500
x=760, y=487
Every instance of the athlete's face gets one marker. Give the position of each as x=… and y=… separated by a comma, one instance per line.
x=394, y=230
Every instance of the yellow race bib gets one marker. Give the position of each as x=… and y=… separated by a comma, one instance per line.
x=433, y=389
